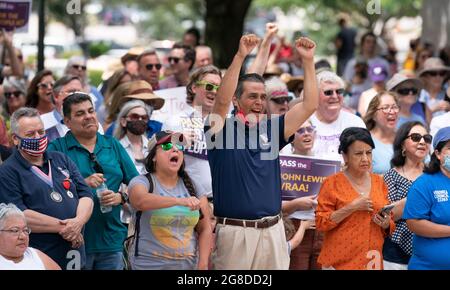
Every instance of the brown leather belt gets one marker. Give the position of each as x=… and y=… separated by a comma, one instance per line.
x=257, y=224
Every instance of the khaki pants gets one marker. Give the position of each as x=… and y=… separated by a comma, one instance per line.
x=244, y=248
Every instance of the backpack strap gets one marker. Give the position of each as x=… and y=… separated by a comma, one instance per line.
x=137, y=225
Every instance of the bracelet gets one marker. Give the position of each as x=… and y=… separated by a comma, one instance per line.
x=124, y=197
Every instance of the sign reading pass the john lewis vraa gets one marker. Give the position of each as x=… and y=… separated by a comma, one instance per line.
x=302, y=176
x=14, y=15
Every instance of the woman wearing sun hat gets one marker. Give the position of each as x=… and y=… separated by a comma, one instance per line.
x=433, y=75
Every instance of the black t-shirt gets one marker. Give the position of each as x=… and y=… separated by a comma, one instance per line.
x=347, y=36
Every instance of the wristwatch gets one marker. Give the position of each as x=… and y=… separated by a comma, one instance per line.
x=124, y=197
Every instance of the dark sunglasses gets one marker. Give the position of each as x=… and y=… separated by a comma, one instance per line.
x=309, y=129
x=416, y=137
x=78, y=67
x=97, y=167
x=407, y=91
x=150, y=66
x=137, y=117
x=173, y=59
x=46, y=85
x=437, y=73
x=281, y=100
x=208, y=86
x=169, y=145
x=9, y=95
x=339, y=92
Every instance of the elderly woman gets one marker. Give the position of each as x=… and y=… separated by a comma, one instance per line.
x=170, y=230
x=40, y=92
x=14, y=92
x=427, y=210
x=15, y=254
x=433, y=75
x=381, y=120
x=349, y=207
x=133, y=119
x=411, y=147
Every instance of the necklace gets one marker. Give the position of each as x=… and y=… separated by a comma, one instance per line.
x=361, y=187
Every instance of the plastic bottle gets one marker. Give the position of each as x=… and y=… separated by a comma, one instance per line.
x=102, y=188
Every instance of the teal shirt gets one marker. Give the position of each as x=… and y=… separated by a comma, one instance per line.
x=104, y=232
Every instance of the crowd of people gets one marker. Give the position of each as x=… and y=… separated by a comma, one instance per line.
x=90, y=179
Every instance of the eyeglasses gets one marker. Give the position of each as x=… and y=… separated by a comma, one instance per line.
x=9, y=95
x=78, y=67
x=436, y=73
x=150, y=66
x=309, y=129
x=407, y=91
x=339, y=92
x=387, y=109
x=208, y=86
x=281, y=100
x=97, y=167
x=16, y=231
x=416, y=137
x=169, y=145
x=173, y=59
x=46, y=85
x=137, y=117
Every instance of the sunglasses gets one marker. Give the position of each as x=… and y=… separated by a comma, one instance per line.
x=436, y=73
x=208, y=86
x=169, y=145
x=137, y=117
x=9, y=95
x=97, y=167
x=173, y=59
x=281, y=100
x=338, y=92
x=387, y=109
x=309, y=129
x=78, y=67
x=46, y=85
x=416, y=137
x=151, y=65
x=407, y=91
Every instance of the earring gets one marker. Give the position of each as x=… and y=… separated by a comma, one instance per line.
x=404, y=153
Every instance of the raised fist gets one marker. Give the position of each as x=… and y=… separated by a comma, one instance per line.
x=305, y=47
x=247, y=44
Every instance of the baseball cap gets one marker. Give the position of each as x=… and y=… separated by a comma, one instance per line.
x=378, y=72
x=166, y=136
x=443, y=135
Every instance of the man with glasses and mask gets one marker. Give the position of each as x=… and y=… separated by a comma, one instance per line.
x=101, y=160
x=149, y=68
x=330, y=120
x=181, y=60
x=53, y=121
x=49, y=189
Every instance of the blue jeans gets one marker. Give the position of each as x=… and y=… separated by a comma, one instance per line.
x=104, y=261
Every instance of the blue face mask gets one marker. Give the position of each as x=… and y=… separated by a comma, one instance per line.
x=447, y=163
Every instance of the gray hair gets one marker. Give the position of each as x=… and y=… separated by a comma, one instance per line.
x=119, y=131
x=7, y=210
x=73, y=60
x=14, y=83
x=329, y=77
x=21, y=113
x=275, y=84
x=64, y=80
x=204, y=47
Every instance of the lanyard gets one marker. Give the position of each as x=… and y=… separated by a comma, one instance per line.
x=42, y=176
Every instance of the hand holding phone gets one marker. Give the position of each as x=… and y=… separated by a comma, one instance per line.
x=386, y=210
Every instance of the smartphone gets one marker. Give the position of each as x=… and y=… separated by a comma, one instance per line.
x=386, y=210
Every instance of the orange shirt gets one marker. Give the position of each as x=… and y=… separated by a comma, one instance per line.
x=348, y=245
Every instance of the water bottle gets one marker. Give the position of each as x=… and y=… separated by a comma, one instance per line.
x=102, y=188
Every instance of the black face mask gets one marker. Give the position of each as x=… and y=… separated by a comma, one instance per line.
x=137, y=127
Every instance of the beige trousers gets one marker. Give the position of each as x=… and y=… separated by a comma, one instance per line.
x=245, y=248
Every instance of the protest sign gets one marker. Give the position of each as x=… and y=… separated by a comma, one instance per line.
x=14, y=15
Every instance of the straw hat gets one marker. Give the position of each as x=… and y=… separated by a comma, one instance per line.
x=433, y=64
x=399, y=79
x=273, y=69
x=131, y=54
x=291, y=82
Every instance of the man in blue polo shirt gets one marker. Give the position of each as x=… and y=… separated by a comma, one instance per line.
x=101, y=160
x=49, y=189
x=243, y=156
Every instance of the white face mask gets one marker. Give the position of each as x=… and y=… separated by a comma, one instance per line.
x=447, y=162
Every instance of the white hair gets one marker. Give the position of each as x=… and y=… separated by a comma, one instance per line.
x=329, y=77
x=7, y=210
x=275, y=84
x=119, y=131
x=21, y=113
